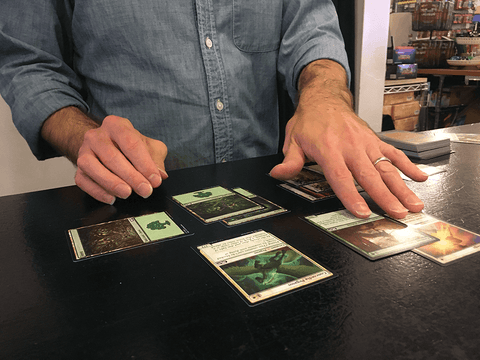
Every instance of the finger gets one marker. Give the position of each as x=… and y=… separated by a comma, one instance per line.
x=158, y=151
x=115, y=161
x=292, y=164
x=373, y=183
x=93, y=189
x=341, y=180
x=91, y=168
x=403, y=163
x=397, y=186
x=132, y=145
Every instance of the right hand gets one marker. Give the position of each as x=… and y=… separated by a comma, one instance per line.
x=115, y=159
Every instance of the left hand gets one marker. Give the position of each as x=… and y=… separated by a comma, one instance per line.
x=325, y=129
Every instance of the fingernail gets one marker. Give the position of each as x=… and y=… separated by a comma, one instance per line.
x=424, y=173
x=155, y=179
x=361, y=209
x=144, y=190
x=414, y=201
x=398, y=209
x=123, y=191
x=111, y=202
x=163, y=172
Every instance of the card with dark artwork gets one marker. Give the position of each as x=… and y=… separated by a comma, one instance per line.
x=104, y=238
x=375, y=237
x=216, y=203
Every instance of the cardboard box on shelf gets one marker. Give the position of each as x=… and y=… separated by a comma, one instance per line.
x=398, y=98
x=407, y=124
x=405, y=110
x=387, y=110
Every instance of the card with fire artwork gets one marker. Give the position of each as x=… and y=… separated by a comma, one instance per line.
x=454, y=242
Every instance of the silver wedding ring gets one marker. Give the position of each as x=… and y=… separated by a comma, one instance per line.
x=383, y=158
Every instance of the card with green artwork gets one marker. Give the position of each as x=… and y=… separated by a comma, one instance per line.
x=260, y=266
x=112, y=236
x=269, y=209
x=216, y=203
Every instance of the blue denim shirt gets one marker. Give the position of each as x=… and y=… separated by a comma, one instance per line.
x=199, y=75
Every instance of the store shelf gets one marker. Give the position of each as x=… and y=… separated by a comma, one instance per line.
x=406, y=85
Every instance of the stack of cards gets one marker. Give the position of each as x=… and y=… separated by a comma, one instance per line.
x=260, y=266
x=233, y=207
x=311, y=185
x=417, y=145
x=123, y=234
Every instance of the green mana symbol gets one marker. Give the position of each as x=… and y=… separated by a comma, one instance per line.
x=202, y=194
x=157, y=225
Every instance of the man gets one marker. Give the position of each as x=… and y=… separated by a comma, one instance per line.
x=198, y=76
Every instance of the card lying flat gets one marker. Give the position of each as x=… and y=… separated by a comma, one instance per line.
x=122, y=234
x=465, y=138
x=260, y=266
x=311, y=184
x=454, y=242
x=269, y=209
x=375, y=237
x=216, y=203
x=427, y=169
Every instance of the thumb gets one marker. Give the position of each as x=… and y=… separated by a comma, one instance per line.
x=292, y=164
x=158, y=151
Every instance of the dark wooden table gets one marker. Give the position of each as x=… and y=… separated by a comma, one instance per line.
x=163, y=301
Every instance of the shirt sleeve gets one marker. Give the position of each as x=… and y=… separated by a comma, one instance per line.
x=36, y=66
x=310, y=31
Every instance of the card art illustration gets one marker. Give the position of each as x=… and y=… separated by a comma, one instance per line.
x=104, y=238
x=260, y=266
x=216, y=203
x=454, y=242
x=311, y=184
x=269, y=209
x=375, y=237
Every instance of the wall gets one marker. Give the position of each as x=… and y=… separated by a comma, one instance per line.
x=371, y=38
x=20, y=170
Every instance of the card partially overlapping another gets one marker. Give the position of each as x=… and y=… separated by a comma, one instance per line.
x=375, y=237
x=311, y=184
x=454, y=242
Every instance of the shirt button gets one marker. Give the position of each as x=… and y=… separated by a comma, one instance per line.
x=208, y=42
x=219, y=105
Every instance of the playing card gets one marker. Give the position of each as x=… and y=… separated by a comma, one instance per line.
x=216, y=203
x=122, y=234
x=375, y=237
x=269, y=209
x=260, y=266
x=454, y=242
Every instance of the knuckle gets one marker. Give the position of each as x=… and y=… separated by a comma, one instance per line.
x=90, y=136
x=341, y=174
x=82, y=163
x=366, y=175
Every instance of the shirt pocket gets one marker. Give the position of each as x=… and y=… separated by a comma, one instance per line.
x=257, y=25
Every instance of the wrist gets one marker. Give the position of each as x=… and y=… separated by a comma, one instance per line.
x=65, y=129
x=324, y=82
